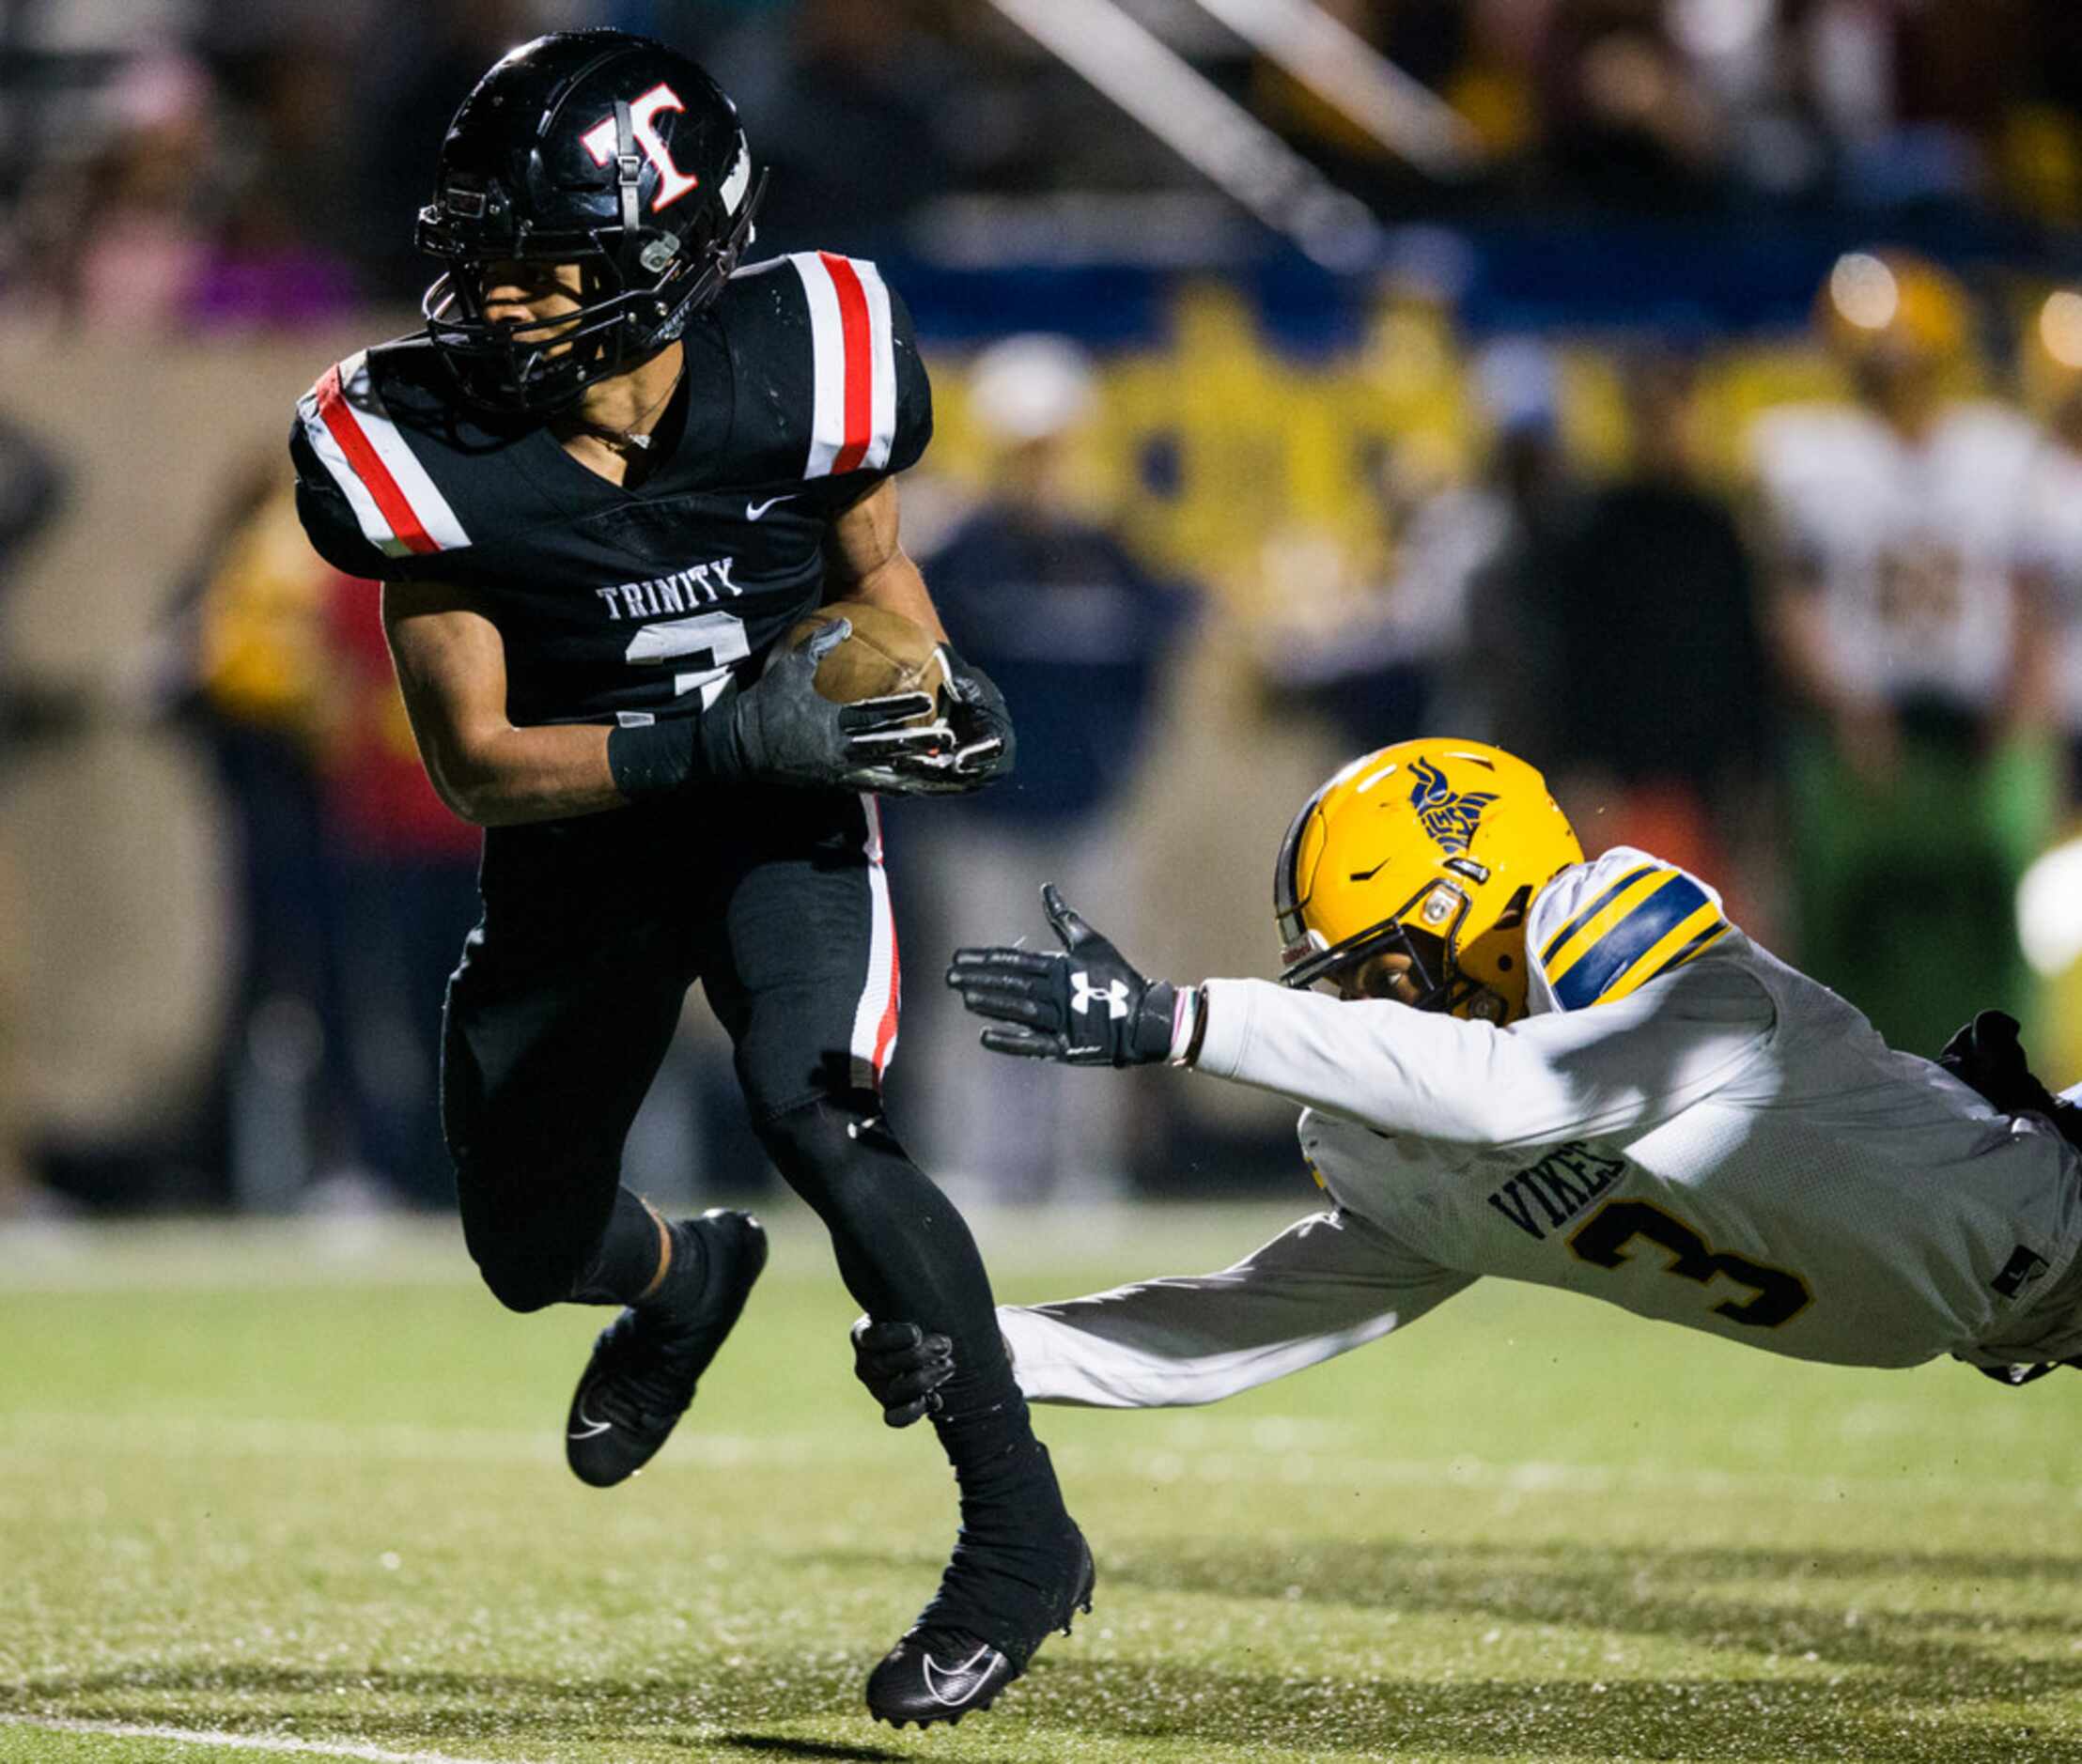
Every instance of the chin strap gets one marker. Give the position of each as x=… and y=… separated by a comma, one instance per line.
x=629, y=167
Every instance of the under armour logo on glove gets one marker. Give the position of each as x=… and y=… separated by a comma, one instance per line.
x=1083, y=995
x=1053, y=1008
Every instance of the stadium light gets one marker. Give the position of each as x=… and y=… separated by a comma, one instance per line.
x=2049, y=910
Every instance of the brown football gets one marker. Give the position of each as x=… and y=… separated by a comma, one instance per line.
x=887, y=652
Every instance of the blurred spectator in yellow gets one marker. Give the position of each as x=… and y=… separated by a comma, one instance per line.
x=1076, y=632
x=1660, y=660
x=1922, y=783
x=358, y=884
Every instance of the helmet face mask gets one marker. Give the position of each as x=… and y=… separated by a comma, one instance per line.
x=595, y=149
x=1400, y=855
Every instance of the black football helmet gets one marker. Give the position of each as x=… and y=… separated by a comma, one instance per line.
x=598, y=149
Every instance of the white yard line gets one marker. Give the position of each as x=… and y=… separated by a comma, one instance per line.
x=237, y=1741
x=1205, y=1450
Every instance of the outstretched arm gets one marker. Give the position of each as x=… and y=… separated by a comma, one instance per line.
x=1327, y=1284
x=1613, y=1068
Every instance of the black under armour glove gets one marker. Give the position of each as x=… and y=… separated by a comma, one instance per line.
x=784, y=731
x=1988, y=1055
x=903, y=1368
x=1086, y=1006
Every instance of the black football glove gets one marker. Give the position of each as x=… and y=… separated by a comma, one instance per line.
x=903, y=1368
x=984, y=746
x=1988, y=1055
x=785, y=733
x=1085, y=1006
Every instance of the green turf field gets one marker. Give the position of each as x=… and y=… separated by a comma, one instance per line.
x=310, y=1498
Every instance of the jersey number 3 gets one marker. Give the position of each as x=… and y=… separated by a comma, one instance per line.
x=1777, y=1296
x=717, y=637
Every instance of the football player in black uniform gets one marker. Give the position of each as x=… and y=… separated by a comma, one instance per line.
x=609, y=475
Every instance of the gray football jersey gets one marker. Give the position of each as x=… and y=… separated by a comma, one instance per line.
x=1726, y=1144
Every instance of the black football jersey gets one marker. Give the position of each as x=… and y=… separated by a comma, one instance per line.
x=803, y=386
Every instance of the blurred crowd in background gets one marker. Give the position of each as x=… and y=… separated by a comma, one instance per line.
x=1694, y=408
x=199, y=162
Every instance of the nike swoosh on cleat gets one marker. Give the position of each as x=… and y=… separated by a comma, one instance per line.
x=950, y=1690
x=756, y=511
x=593, y=1428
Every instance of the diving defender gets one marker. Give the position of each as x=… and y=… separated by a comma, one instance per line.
x=1530, y=1066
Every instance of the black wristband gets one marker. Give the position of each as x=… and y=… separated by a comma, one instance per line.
x=655, y=757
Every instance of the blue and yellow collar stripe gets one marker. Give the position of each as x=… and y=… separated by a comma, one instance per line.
x=1652, y=919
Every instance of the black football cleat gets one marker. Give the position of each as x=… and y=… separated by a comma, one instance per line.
x=647, y=1362
x=941, y=1674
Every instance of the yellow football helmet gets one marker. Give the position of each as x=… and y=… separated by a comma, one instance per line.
x=1430, y=849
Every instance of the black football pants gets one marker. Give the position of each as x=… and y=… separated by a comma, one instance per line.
x=569, y=993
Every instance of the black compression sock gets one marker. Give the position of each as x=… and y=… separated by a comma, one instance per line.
x=1008, y=1581
x=626, y=1266
x=907, y=1255
x=986, y=1432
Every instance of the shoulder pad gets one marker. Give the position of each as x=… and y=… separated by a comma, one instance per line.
x=829, y=358
x=357, y=421
x=1602, y=929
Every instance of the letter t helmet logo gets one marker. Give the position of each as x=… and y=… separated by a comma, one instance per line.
x=599, y=141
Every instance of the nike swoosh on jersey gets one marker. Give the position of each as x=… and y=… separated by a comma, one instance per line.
x=756, y=511
x=951, y=1689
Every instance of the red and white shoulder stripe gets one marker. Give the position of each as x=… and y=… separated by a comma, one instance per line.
x=398, y=505
x=854, y=422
